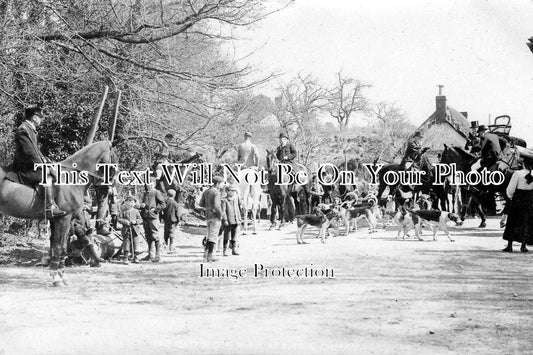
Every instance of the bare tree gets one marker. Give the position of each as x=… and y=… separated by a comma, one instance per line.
x=346, y=99
x=164, y=55
x=299, y=101
x=297, y=108
x=394, y=128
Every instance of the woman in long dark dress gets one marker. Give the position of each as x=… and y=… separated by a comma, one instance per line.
x=519, y=226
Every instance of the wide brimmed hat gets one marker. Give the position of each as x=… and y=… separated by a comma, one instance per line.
x=474, y=124
x=248, y=134
x=283, y=135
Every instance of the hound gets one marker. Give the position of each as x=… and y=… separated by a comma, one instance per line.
x=322, y=220
x=367, y=209
x=435, y=220
x=405, y=223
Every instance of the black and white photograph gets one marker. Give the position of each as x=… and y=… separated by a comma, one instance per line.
x=266, y=177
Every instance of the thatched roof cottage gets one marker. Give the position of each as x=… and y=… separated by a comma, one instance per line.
x=445, y=126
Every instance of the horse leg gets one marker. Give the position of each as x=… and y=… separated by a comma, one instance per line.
x=254, y=219
x=58, y=241
x=273, y=210
x=479, y=209
x=281, y=207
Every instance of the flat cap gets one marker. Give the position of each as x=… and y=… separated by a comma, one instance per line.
x=217, y=179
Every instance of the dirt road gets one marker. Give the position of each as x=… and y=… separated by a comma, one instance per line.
x=387, y=296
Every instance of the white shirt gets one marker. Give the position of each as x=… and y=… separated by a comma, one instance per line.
x=518, y=181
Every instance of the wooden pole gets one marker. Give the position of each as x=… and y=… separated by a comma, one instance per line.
x=113, y=123
x=96, y=119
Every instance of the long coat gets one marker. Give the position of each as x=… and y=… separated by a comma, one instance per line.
x=27, y=154
x=154, y=203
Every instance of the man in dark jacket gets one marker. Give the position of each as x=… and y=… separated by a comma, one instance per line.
x=286, y=153
x=490, y=147
x=153, y=203
x=27, y=154
x=171, y=217
x=414, y=151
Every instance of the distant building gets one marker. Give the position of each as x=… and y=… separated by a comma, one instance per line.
x=445, y=126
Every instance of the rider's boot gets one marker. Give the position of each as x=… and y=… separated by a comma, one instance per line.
x=52, y=211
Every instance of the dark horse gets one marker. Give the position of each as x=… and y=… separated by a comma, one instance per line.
x=284, y=195
x=473, y=195
x=25, y=202
x=399, y=191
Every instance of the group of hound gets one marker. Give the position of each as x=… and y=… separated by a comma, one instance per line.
x=349, y=212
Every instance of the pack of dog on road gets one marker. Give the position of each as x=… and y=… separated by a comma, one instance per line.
x=347, y=213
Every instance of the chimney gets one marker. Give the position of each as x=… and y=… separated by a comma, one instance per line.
x=440, y=104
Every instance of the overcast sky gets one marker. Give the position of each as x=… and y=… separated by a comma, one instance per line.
x=405, y=48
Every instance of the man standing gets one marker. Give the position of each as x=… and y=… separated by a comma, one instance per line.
x=247, y=152
x=231, y=218
x=286, y=153
x=171, y=217
x=153, y=203
x=27, y=154
x=213, y=212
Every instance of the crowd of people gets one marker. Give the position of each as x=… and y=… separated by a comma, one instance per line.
x=222, y=203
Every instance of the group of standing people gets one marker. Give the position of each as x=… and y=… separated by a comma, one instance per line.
x=148, y=213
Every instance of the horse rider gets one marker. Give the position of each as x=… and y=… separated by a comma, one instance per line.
x=27, y=154
x=286, y=153
x=473, y=138
x=490, y=149
x=247, y=152
x=413, y=152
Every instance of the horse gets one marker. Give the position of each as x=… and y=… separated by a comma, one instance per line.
x=403, y=192
x=249, y=193
x=23, y=201
x=282, y=195
x=472, y=196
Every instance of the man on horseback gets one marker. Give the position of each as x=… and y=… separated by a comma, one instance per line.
x=286, y=153
x=27, y=153
x=247, y=152
x=414, y=152
x=489, y=147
